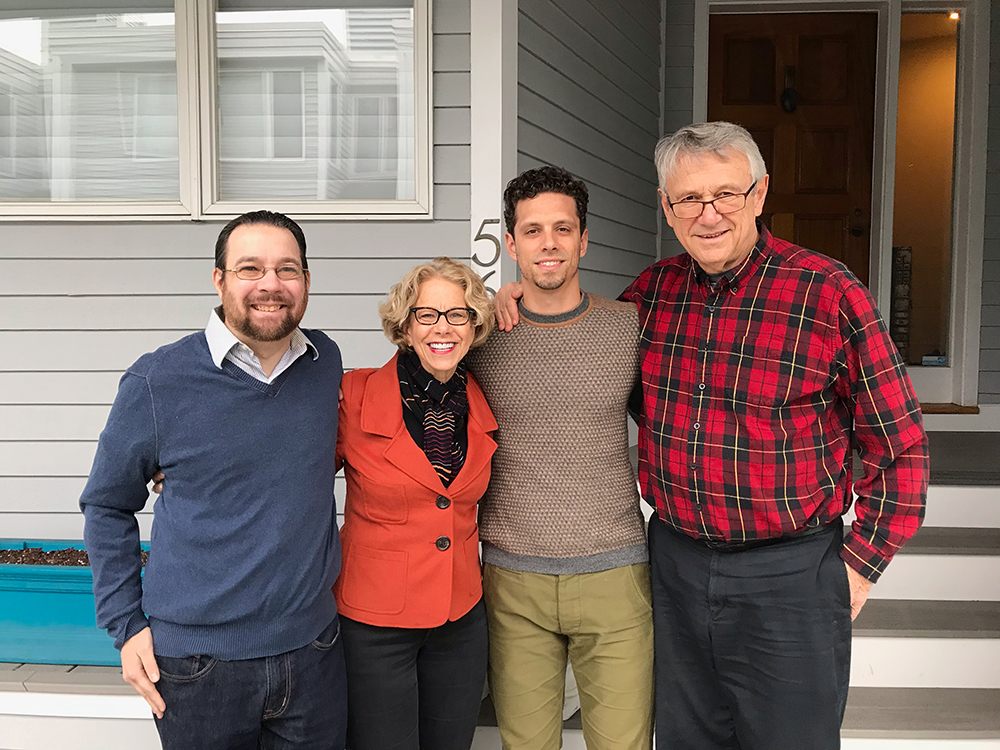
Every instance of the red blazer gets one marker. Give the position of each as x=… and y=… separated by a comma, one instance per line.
x=398, y=515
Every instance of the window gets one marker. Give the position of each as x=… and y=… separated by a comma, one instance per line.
x=8, y=132
x=201, y=107
x=154, y=116
x=260, y=114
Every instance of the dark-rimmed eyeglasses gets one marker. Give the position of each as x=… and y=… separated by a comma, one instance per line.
x=724, y=204
x=253, y=273
x=457, y=316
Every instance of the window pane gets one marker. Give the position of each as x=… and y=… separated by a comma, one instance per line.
x=922, y=208
x=91, y=107
x=331, y=115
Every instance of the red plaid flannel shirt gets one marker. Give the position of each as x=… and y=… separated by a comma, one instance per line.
x=756, y=390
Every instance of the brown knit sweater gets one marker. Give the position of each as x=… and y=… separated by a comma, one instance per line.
x=562, y=496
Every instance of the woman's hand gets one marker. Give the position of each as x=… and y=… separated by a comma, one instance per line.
x=158, y=478
x=505, y=304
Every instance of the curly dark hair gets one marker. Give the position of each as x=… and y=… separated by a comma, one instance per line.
x=544, y=180
x=270, y=218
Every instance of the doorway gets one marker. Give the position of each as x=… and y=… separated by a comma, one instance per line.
x=803, y=84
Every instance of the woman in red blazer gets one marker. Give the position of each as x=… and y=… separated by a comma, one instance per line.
x=414, y=441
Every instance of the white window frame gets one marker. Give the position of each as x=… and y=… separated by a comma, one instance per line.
x=959, y=382
x=197, y=135
x=419, y=207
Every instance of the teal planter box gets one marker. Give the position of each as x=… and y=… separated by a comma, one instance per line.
x=47, y=612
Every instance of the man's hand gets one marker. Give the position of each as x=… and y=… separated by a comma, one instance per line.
x=158, y=478
x=860, y=586
x=139, y=669
x=506, y=305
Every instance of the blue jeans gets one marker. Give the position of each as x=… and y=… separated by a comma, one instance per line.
x=293, y=700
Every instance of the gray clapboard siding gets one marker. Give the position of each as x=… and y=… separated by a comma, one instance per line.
x=588, y=100
x=989, y=367
x=678, y=86
x=327, y=310
x=58, y=496
x=65, y=387
x=117, y=290
x=52, y=422
x=609, y=285
x=100, y=351
x=197, y=240
x=128, y=276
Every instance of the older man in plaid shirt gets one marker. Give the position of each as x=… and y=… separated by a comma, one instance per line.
x=764, y=365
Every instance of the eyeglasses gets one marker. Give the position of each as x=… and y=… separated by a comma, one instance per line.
x=253, y=273
x=457, y=316
x=724, y=204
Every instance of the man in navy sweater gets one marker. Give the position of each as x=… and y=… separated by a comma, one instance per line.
x=232, y=634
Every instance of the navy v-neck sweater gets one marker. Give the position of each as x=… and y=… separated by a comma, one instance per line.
x=244, y=546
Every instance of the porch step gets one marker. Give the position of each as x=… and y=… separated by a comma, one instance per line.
x=922, y=713
x=932, y=540
x=903, y=618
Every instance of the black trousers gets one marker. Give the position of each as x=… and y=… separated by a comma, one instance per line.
x=752, y=648
x=415, y=689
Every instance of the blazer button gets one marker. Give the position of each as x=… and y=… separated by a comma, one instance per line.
x=442, y=543
x=443, y=502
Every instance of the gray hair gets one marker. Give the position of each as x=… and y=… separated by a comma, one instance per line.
x=716, y=137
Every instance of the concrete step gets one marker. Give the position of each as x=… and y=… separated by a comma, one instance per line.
x=932, y=540
x=906, y=618
x=922, y=713
x=927, y=644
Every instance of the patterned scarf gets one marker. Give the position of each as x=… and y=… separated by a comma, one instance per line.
x=438, y=406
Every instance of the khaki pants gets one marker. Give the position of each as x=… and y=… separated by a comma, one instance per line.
x=603, y=623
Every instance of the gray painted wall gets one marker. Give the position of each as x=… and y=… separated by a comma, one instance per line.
x=82, y=301
x=678, y=86
x=989, y=353
x=588, y=101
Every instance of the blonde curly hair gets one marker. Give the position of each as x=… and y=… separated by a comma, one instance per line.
x=395, y=309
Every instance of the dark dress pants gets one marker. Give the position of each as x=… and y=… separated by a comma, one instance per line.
x=293, y=700
x=415, y=688
x=752, y=648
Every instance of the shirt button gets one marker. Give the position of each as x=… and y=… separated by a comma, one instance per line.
x=694, y=466
x=701, y=386
x=697, y=425
x=442, y=543
x=442, y=502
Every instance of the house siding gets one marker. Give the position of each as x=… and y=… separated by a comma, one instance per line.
x=588, y=101
x=989, y=352
x=678, y=86
x=84, y=300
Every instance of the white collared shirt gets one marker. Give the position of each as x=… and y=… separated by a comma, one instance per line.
x=223, y=345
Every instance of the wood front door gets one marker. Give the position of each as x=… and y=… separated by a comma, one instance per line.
x=803, y=84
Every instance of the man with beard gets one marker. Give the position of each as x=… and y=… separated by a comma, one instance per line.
x=565, y=573
x=231, y=637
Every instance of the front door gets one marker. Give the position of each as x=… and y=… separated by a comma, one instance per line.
x=803, y=84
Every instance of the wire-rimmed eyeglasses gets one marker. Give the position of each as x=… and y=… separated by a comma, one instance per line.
x=251, y=272
x=724, y=204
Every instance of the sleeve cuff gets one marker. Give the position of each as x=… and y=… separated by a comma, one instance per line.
x=862, y=558
x=136, y=623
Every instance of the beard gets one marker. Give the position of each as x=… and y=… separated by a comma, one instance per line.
x=276, y=331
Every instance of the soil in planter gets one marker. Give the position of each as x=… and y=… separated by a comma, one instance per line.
x=36, y=556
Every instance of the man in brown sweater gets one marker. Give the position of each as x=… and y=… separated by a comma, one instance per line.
x=566, y=573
